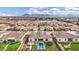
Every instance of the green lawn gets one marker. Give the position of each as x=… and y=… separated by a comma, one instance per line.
x=50, y=30
x=2, y=46
x=73, y=46
x=50, y=48
x=13, y=47
x=34, y=47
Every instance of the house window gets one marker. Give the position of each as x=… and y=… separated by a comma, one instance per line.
x=70, y=39
x=59, y=39
x=65, y=39
x=46, y=39
x=40, y=39
x=32, y=40
x=35, y=39
x=75, y=39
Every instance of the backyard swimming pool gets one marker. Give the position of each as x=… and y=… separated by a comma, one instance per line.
x=41, y=45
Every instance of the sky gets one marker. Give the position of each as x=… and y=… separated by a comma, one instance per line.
x=18, y=11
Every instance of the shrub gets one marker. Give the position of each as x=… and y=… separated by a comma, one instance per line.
x=49, y=43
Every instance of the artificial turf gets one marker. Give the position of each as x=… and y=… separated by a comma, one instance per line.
x=2, y=46
x=13, y=47
x=50, y=48
x=34, y=47
x=73, y=46
x=47, y=47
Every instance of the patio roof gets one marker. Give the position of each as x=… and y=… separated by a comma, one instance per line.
x=64, y=35
x=13, y=35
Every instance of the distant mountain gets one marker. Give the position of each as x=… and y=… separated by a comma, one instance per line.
x=49, y=15
x=37, y=15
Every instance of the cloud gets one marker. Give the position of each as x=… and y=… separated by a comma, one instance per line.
x=46, y=10
x=65, y=11
x=54, y=11
x=32, y=11
x=43, y=10
x=10, y=14
x=72, y=8
x=39, y=10
x=5, y=14
x=16, y=13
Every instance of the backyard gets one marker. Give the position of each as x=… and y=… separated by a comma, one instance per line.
x=13, y=47
x=71, y=47
x=47, y=47
x=51, y=47
x=2, y=46
x=9, y=47
x=34, y=47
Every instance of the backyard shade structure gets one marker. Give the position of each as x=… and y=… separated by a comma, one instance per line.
x=63, y=36
x=12, y=36
x=39, y=36
x=77, y=32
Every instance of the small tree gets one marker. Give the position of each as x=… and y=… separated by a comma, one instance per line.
x=49, y=43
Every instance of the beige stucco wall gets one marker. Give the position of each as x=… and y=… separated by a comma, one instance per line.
x=66, y=40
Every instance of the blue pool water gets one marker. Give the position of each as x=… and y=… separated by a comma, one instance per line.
x=41, y=45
